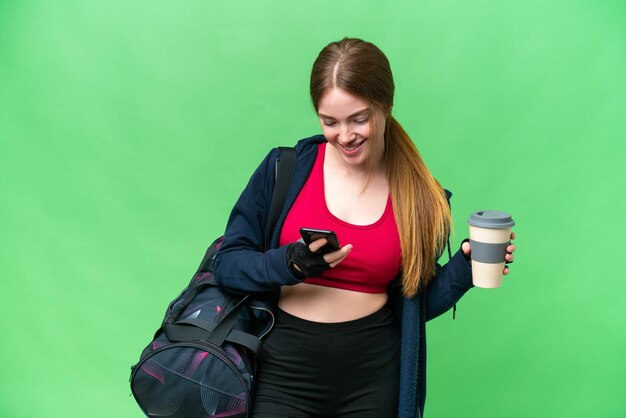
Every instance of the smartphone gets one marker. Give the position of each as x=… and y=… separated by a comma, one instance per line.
x=311, y=234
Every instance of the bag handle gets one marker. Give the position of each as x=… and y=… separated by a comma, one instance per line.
x=215, y=333
x=197, y=329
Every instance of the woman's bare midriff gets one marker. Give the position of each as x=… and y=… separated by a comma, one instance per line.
x=328, y=304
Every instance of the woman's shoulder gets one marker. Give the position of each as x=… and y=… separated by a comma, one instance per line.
x=311, y=142
x=302, y=147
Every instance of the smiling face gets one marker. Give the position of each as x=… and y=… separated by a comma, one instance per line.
x=353, y=127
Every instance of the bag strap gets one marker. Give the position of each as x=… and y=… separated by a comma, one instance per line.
x=284, y=169
x=196, y=329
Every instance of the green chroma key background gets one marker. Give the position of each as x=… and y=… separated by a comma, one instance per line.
x=128, y=130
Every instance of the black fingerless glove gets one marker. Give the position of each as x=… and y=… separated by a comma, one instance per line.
x=310, y=264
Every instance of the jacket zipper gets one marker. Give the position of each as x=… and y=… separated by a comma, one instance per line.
x=271, y=326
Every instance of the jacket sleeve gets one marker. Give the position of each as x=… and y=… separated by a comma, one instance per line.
x=242, y=265
x=450, y=283
x=448, y=286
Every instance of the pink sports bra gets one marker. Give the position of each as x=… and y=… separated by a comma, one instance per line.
x=376, y=255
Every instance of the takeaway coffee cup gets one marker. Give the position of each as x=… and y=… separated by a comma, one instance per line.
x=490, y=234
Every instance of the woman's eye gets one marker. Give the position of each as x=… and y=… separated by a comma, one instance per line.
x=360, y=121
x=329, y=123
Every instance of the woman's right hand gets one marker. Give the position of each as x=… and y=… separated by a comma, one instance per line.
x=334, y=257
x=306, y=261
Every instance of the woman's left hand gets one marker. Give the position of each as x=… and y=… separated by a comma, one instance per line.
x=509, y=256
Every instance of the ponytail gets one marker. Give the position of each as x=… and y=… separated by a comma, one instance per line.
x=420, y=206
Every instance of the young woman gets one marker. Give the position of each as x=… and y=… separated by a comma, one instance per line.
x=349, y=337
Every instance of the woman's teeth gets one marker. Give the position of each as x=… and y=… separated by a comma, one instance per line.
x=352, y=147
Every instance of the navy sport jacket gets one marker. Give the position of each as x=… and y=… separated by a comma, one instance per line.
x=242, y=266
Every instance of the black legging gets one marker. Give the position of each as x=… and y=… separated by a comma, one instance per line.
x=311, y=369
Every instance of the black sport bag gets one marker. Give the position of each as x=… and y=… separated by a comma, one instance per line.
x=202, y=360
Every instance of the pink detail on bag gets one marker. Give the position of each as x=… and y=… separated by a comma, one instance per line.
x=154, y=371
x=233, y=355
x=226, y=414
x=187, y=364
x=156, y=345
x=203, y=276
x=236, y=406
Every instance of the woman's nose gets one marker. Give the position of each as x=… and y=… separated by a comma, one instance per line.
x=344, y=134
